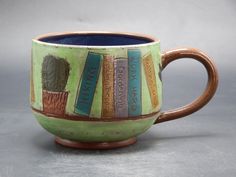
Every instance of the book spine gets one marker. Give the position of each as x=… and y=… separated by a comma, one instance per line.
x=32, y=94
x=134, y=82
x=88, y=84
x=108, y=87
x=151, y=79
x=120, y=85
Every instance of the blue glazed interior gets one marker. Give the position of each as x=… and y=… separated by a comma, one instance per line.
x=96, y=39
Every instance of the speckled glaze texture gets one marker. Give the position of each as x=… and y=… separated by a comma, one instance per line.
x=97, y=130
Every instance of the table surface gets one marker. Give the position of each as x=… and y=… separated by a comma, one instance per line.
x=200, y=145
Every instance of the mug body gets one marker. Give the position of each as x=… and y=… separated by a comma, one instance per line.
x=96, y=86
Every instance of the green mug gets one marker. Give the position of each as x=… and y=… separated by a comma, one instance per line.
x=100, y=90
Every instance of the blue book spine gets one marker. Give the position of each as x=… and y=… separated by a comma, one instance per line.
x=88, y=84
x=134, y=82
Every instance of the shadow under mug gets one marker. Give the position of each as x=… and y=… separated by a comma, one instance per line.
x=99, y=90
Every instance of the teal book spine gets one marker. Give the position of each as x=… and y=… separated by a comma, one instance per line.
x=134, y=82
x=88, y=84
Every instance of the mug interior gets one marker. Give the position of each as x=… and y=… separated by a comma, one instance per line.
x=96, y=39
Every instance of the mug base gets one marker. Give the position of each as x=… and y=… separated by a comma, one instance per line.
x=95, y=145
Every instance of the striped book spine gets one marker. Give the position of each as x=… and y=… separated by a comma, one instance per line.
x=134, y=82
x=120, y=87
x=88, y=84
x=108, y=87
x=151, y=79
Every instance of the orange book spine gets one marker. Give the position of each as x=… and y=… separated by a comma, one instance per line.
x=108, y=87
x=151, y=79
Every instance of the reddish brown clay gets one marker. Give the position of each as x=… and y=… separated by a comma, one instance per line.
x=95, y=145
x=210, y=90
x=102, y=119
x=54, y=102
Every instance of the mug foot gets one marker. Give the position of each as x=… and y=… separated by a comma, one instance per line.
x=95, y=145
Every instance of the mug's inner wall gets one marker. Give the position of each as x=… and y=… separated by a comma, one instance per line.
x=96, y=39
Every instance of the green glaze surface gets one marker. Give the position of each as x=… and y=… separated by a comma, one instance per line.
x=95, y=131
x=64, y=79
x=76, y=57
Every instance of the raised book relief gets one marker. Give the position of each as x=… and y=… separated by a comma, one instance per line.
x=120, y=85
x=134, y=83
x=88, y=84
x=108, y=87
x=151, y=79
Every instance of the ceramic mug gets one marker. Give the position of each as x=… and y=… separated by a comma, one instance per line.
x=100, y=90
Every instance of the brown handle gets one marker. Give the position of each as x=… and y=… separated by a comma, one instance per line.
x=210, y=90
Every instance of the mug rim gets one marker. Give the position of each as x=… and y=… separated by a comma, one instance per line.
x=153, y=40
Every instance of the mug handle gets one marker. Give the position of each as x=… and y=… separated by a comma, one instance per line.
x=210, y=89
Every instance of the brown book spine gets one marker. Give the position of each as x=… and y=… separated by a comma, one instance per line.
x=32, y=94
x=151, y=79
x=108, y=87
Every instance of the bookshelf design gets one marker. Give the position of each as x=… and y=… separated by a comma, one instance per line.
x=120, y=88
x=121, y=84
x=96, y=83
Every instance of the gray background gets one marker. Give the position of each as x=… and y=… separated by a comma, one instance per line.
x=201, y=145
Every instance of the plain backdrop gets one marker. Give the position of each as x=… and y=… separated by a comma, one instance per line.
x=201, y=145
